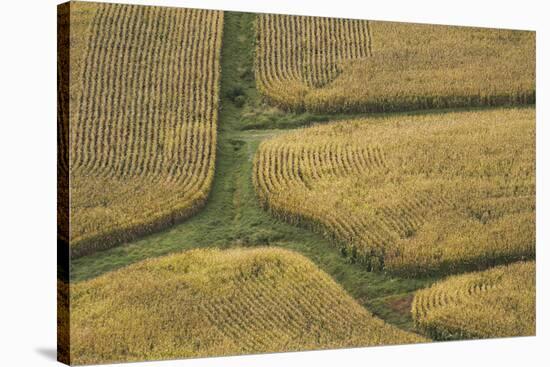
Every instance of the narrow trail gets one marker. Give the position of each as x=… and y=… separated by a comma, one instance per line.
x=232, y=216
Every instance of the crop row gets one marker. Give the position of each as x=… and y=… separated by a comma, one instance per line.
x=215, y=302
x=334, y=65
x=413, y=195
x=499, y=302
x=296, y=53
x=143, y=120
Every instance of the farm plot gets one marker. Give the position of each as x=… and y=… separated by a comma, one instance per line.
x=499, y=302
x=410, y=194
x=63, y=93
x=143, y=119
x=216, y=302
x=338, y=65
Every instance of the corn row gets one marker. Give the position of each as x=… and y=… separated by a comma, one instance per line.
x=345, y=65
x=499, y=302
x=144, y=121
x=214, y=302
x=412, y=195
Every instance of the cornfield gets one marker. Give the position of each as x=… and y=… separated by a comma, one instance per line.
x=334, y=65
x=412, y=195
x=63, y=322
x=215, y=302
x=63, y=104
x=499, y=302
x=143, y=119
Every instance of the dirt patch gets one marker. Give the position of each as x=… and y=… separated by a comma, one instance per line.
x=401, y=305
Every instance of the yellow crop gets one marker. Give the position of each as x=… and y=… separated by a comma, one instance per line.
x=411, y=194
x=498, y=302
x=328, y=65
x=144, y=89
x=63, y=96
x=63, y=322
x=214, y=302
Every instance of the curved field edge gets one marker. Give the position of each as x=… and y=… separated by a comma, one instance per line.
x=345, y=181
x=499, y=302
x=333, y=65
x=160, y=221
x=140, y=162
x=218, y=302
x=232, y=216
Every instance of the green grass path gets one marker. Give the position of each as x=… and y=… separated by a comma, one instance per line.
x=232, y=216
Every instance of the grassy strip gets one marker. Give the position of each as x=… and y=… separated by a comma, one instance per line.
x=232, y=216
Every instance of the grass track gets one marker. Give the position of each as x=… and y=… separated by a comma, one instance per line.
x=128, y=119
x=232, y=216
